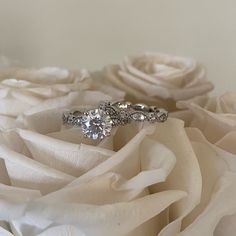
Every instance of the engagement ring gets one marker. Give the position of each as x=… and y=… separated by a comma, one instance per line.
x=97, y=123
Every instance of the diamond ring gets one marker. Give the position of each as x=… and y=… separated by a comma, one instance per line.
x=97, y=123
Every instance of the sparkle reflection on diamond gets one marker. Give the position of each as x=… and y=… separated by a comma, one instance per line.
x=96, y=124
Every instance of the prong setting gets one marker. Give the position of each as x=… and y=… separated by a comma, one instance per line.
x=97, y=123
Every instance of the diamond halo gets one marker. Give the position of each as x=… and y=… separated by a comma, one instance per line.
x=96, y=124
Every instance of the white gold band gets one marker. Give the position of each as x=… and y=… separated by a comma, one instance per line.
x=97, y=123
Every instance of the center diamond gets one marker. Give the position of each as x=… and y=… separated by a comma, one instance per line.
x=96, y=124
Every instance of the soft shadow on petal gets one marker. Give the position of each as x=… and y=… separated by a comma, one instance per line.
x=157, y=162
x=113, y=187
x=47, y=116
x=126, y=161
x=13, y=201
x=159, y=79
x=23, y=88
x=62, y=230
x=226, y=226
x=27, y=173
x=5, y=232
x=214, y=116
x=98, y=191
x=185, y=175
x=110, y=188
x=73, y=159
x=112, y=219
x=222, y=203
x=212, y=166
x=214, y=162
x=73, y=99
x=228, y=142
x=7, y=122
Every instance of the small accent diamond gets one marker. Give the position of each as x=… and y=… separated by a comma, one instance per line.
x=138, y=116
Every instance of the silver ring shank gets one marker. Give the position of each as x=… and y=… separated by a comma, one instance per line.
x=121, y=113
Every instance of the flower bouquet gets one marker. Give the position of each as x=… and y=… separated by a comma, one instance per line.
x=170, y=178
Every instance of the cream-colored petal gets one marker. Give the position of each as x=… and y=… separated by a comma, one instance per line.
x=149, y=89
x=73, y=159
x=228, y=142
x=159, y=78
x=6, y=122
x=208, y=116
x=98, y=191
x=111, y=74
x=126, y=161
x=156, y=164
x=212, y=165
x=62, y=230
x=226, y=226
x=187, y=93
x=13, y=199
x=186, y=174
x=44, y=122
x=111, y=187
x=222, y=203
x=25, y=172
x=72, y=99
x=112, y=219
x=12, y=106
x=4, y=178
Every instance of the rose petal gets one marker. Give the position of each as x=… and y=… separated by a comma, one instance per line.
x=107, y=219
x=186, y=174
x=228, y=142
x=221, y=204
x=25, y=172
x=62, y=230
x=159, y=79
x=73, y=159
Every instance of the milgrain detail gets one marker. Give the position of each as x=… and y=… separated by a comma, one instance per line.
x=97, y=123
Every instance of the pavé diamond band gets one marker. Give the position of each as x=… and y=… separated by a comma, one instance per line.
x=97, y=123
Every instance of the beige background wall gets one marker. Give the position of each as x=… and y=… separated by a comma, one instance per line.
x=90, y=34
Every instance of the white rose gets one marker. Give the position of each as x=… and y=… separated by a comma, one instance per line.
x=23, y=89
x=146, y=179
x=143, y=180
x=213, y=119
x=214, y=116
x=159, y=79
x=104, y=182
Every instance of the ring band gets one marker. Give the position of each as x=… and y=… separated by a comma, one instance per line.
x=97, y=123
